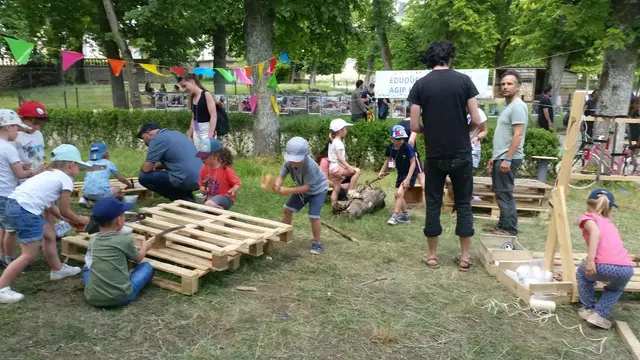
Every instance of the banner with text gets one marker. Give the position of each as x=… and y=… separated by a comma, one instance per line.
x=397, y=84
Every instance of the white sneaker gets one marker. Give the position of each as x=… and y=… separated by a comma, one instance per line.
x=84, y=202
x=8, y=296
x=126, y=230
x=585, y=314
x=599, y=321
x=66, y=271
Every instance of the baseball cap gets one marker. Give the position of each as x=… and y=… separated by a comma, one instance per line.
x=97, y=150
x=66, y=152
x=32, y=109
x=9, y=117
x=208, y=147
x=109, y=208
x=338, y=124
x=398, y=132
x=297, y=149
x=146, y=127
x=597, y=192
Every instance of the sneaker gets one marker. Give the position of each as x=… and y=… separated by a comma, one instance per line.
x=404, y=218
x=316, y=248
x=599, y=321
x=585, y=313
x=8, y=296
x=84, y=202
x=394, y=220
x=66, y=271
x=126, y=230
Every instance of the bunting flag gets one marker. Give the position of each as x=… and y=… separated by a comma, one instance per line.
x=284, y=57
x=275, y=105
x=225, y=74
x=69, y=58
x=272, y=66
x=153, y=69
x=116, y=66
x=21, y=50
x=248, y=70
x=178, y=70
x=260, y=72
x=203, y=71
x=273, y=82
x=240, y=75
x=253, y=102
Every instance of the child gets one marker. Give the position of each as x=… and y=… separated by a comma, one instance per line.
x=24, y=213
x=607, y=260
x=30, y=142
x=339, y=168
x=96, y=183
x=106, y=276
x=322, y=160
x=400, y=156
x=11, y=171
x=311, y=187
x=218, y=182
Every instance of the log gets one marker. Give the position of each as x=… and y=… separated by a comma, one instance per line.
x=372, y=200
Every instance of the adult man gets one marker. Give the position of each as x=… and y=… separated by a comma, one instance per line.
x=508, y=145
x=171, y=168
x=590, y=109
x=444, y=96
x=545, y=110
x=358, y=110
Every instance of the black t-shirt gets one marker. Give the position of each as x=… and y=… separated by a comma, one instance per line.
x=591, y=107
x=401, y=156
x=443, y=95
x=368, y=97
x=545, y=103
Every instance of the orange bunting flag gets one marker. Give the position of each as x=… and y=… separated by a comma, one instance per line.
x=153, y=69
x=248, y=70
x=272, y=66
x=116, y=66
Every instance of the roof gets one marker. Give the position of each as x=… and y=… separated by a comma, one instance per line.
x=530, y=68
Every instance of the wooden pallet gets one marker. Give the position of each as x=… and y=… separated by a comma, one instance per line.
x=490, y=251
x=210, y=240
x=144, y=193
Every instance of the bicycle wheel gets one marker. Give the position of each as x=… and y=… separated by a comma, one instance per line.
x=593, y=159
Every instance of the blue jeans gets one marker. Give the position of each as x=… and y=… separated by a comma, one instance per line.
x=503, y=185
x=140, y=277
x=617, y=277
x=158, y=182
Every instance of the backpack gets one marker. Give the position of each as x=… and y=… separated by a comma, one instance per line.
x=222, y=125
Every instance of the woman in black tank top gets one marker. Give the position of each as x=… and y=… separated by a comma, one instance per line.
x=203, y=110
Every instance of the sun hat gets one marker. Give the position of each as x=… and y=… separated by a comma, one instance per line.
x=338, y=124
x=296, y=150
x=66, y=152
x=398, y=132
x=208, y=147
x=9, y=117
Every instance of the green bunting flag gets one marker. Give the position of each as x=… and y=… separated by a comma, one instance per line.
x=226, y=74
x=21, y=50
x=273, y=82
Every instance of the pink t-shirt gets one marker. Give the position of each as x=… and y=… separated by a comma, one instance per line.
x=610, y=249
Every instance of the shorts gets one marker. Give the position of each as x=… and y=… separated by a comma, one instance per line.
x=337, y=174
x=3, y=218
x=297, y=201
x=402, y=177
x=419, y=166
x=222, y=201
x=475, y=158
x=29, y=227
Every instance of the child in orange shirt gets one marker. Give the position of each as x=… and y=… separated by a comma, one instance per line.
x=218, y=182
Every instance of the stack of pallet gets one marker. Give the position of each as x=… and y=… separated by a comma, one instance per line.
x=138, y=189
x=201, y=240
x=531, y=195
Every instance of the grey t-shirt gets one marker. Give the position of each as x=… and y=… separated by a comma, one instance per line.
x=514, y=113
x=178, y=154
x=307, y=174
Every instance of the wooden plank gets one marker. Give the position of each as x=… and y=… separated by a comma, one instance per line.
x=204, y=236
x=628, y=338
x=180, y=258
x=578, y=176
x=216, y=250
x=625, y=120
x=514, y=286
x=554, y=287
x=573, y=129
x=564, y=239
x=236, y=215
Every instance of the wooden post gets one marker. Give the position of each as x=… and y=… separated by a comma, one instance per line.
x=573, y=130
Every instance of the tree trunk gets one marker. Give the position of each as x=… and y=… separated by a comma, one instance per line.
x=557, y=64
x=118, y=94
x=293, y=72
x=220, y=59
x=380, y=21
x=313, y=73
x=372, y=200
x=259, y=25
x=130, y=67
x=501, y=48
x=370, y=64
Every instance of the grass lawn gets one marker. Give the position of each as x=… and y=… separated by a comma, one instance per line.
x=312, y=307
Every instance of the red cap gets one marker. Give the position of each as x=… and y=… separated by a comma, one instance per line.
x=32, y=109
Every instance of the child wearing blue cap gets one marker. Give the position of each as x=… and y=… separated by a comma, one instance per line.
x=400, y=156
x=607, y=260
x=96, y=183
x=106, y=276
x=24, y=213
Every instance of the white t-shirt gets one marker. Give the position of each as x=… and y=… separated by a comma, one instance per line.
x=476, y=131
x=31, y=148
x=336, y=146
x=42, y=190
x=8, y=156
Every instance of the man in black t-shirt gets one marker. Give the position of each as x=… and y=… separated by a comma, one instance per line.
x=590, y=109
x=545, y=110
x=445, y=96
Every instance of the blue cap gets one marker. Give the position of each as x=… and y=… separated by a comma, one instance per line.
x=296, y=150
x=208, y=147
x=398, y=132
x=97, y=150
x=109, y=208
x=66, y=152
x=597, y=192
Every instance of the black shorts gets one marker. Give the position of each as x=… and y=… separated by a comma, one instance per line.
x=419, y=166
x=402, y=177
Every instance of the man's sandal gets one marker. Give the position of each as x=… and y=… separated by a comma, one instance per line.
x=463, y=265
x=431, y=262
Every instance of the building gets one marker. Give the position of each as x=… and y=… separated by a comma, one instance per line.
x=534, y=80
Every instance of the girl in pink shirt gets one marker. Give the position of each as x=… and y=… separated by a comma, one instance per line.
x=607, y=260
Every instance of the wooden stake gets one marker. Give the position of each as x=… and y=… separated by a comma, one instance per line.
x=345, y=235
x=627, y=336
x=379, y=278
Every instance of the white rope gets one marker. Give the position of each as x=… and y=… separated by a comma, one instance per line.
x=542, y=317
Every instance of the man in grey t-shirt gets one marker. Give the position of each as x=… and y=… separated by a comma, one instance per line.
x=508, y=151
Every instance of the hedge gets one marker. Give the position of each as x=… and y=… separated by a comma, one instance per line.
x=365, y=143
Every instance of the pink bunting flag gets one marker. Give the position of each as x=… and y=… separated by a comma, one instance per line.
x=253, y=102
x=240, y=75
x=69, y=58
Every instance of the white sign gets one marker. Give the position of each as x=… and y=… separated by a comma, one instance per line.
x=397, y=84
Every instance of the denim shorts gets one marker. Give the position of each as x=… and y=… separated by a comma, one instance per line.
x=297, y=201
x=3, y=218
x=29, y=227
